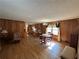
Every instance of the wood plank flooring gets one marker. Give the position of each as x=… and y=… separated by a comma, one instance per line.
x=31, y=49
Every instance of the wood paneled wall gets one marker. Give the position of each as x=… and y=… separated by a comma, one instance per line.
x=67, y=28
x=78, y=40
x=78, y=23
x=13, y=26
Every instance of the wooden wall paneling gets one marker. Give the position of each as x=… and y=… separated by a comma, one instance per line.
x=22, y=29
x=63, y=30
x=67, y=28
x=78, y=23
x=13, y=26
x=1, y=24
x=8, y=26
x=78, y=48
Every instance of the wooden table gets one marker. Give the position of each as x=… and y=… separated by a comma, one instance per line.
x=45, y=37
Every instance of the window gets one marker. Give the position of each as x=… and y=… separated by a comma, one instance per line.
x=49, y=29
x=55, y=30
x=52, y=29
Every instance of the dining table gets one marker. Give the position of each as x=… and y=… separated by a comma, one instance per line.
x=45, y=37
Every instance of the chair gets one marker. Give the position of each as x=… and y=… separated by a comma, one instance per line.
x=16, y=37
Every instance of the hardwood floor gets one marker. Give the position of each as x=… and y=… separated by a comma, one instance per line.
x=31, y=49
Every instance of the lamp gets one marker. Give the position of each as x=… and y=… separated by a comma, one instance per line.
x=4, y=31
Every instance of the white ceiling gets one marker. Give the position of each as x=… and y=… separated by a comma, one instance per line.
x=39, y=10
